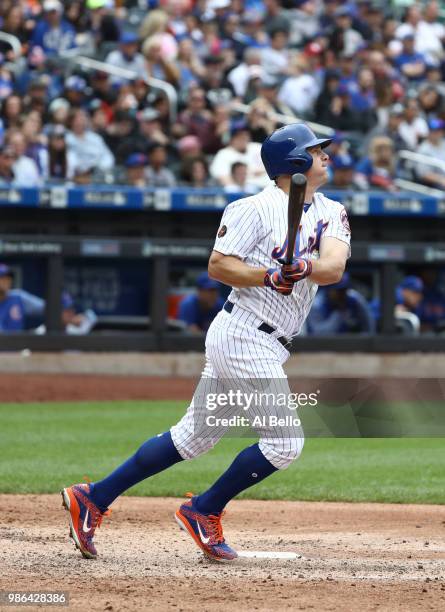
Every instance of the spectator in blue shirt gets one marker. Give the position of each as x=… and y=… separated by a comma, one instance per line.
x=199, y=309
x=52, y=33
x=338, y=309
x=411, y=64
x=11, y=306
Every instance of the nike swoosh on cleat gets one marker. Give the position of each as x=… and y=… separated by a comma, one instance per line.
x=85, y=523
x=201, y=535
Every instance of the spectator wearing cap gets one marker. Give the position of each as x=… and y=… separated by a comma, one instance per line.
x=299, y=91
x=378, y=171
x=88, y=146
x=413, y=128
x=52, y=33
x=410, y=63
x=433, y=147
x=127, y=56
x=342, y=169
x=135, y=166
x=409, y=294
x=60, y=163
x=157, y=173
x=344, y=38
x=339, y=309
x=59, y=111
x=199, y=309
x=75, y=91
x=26, y=172
x=240, y=149
x=239, y=182
x=7, y=160
x=11, y=306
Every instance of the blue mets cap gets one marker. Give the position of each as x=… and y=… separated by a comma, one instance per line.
x=5, y=270
x=67, y=300
x=128, y=38
x=76, y=83
x=436, y=124
x=412, y=282
x=135, y=160
x=342, y=162
x=205, y=282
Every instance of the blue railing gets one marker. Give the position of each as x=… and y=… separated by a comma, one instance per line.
x=128, y=198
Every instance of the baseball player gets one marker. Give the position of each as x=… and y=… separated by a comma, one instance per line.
x=247, y=341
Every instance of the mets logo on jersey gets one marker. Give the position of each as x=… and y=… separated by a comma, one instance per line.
x=313, y=244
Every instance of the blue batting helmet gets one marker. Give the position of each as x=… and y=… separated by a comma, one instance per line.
x=285, y=150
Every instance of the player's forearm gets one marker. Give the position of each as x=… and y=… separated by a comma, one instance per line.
x=327, y=271
x=234, y=272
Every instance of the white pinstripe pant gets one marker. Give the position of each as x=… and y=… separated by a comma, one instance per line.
x=237, y=351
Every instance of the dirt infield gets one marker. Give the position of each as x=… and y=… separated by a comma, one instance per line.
x=356, y=557
x=81, y=387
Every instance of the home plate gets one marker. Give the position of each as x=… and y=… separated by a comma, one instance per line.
x=266, y=554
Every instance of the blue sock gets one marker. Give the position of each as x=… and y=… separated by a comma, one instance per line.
x=155, y=455
x=248, y=468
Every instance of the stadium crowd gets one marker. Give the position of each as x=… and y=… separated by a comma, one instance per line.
x=370, y=70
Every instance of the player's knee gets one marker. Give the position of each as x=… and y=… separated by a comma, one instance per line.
x=281, y=452
x=189, y=445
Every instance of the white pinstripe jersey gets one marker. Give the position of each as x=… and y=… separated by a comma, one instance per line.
x=255, y=230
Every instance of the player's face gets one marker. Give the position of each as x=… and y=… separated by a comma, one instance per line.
x=5, y=284
x=318, y=172
x=208, y=297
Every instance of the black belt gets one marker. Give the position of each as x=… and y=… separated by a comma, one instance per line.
x=264, y=327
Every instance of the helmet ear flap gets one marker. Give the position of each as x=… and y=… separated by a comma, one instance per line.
x=302, y=162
